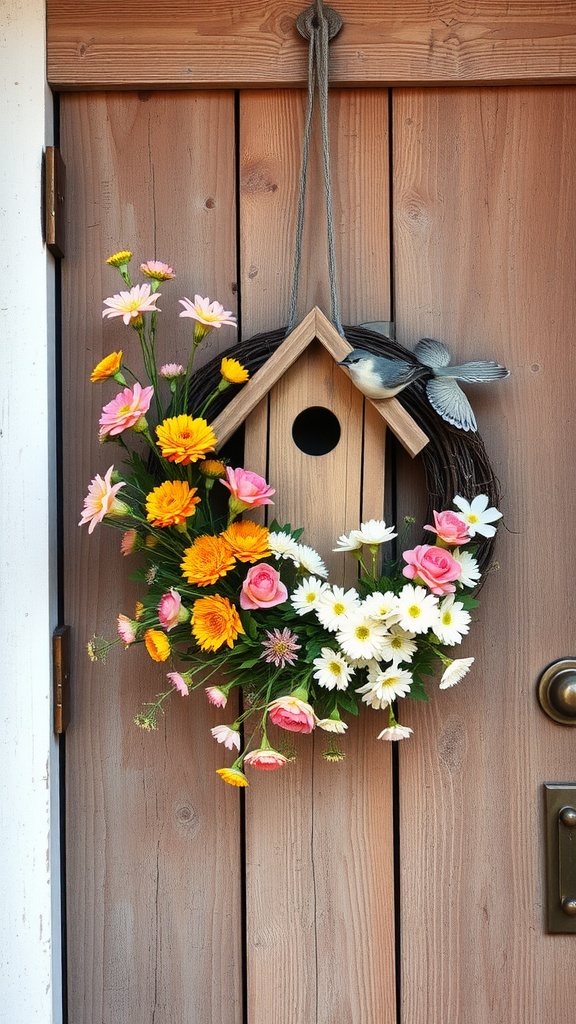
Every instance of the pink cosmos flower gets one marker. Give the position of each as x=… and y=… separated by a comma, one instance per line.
x=157, y=270
x=179, y=683
x=101, y=500
x=247, y=489
x=129, y=542
x=226, y=735
x=280, y=648
x=265, y=759
x=127, y=629
x=132, y=304
x=434, y=567
x=216, y=696
x=126, y=410
x=262, y=588
x=450, y=528
x=171, y=370
x=292, y=713
x=170, y=610
x=212, y=314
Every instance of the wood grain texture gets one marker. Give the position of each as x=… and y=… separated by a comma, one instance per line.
x=153, y=922
x=320, y=942
x=255, y=43
x=485, y=229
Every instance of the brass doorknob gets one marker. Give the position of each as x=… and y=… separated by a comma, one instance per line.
x=557, y=691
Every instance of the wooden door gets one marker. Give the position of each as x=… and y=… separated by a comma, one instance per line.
x=362, y=892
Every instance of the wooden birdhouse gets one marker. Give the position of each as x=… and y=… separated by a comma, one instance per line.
x=312, y=434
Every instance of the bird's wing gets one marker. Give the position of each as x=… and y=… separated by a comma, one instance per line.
x=450, y=402
x=432, y=353
x=476, y=372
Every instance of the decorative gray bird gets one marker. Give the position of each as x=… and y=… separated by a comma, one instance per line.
x=384, y=376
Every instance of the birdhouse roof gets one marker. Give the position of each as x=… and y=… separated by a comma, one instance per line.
x=314, y=326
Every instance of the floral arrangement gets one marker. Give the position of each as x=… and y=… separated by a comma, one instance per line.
x=230, y=604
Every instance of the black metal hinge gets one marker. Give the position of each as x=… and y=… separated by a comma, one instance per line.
x=61, y=676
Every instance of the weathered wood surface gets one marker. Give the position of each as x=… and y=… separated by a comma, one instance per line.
x=319, y=856
x=485, y=229
x=152, y=853
x=254, y=43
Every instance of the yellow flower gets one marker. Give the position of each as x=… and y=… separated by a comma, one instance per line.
x=212, y=468
x=171, y=503
x=120, y=259
x=233, y=371
x=215, y=622
x=207, y=560
x=233, y=776
x=249, y=541
x=184, y=439
x=157, y=644
x=107, y=367
x=138, y=610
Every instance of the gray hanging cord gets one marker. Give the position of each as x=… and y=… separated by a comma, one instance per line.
x=319, y=24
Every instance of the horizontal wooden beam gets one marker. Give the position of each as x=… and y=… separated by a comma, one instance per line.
x=254, y=43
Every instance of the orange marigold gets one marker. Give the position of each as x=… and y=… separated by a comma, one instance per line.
x=212, y=468
x=248, y=541
x=207, y=560
x=215, y=622
x=157, y=644
x=171, y=503
x=233, y=776
x=107, y=367
x=184, y=439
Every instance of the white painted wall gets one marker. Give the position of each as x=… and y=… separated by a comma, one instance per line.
x=29, y=876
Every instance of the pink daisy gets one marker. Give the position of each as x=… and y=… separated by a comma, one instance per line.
x=101, y=500
x=280, y=647
x=125, y=410
x=132, y=304
x=212, y=314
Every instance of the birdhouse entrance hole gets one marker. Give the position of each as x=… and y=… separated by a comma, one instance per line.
x=316, y=431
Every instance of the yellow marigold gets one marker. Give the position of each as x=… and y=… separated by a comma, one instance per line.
x=107, y=367
x=184, y=439
x=138, y=610
x=157, y=644
x=249, y=541
x=212, y=468
x=207, y=560
x=171, y=503
x=215, y=622
x=233, y=371
x=233, y=776
x=120, y=259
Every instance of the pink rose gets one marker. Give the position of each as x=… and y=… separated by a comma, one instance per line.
x=434, y=567
x=247, y=489
x=450, y=528
x=170, y=611
x=262, y=588
x=292, y=713
x=265, y=759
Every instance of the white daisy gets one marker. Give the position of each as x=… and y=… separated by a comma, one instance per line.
x=398, y=646
x=469, y=565
x=477, y=515
x=335, y=605
x=455, y=671
x=418, y=610
x=332, y=725
x=307, y=594
x=385, y=688
x=453, y=621
x=282, y=544
x=361, y=637
x=332, y=670
x=348, y=542
x=382, y=606
x=396, y=732
x=309, y=560
x=228, y=736
x=374, y=532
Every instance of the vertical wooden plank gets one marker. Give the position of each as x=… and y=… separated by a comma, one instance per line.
x=152, y=858
x=318, y=835
x=485, y=228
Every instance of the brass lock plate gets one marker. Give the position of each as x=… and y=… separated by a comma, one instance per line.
x=561, y=856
